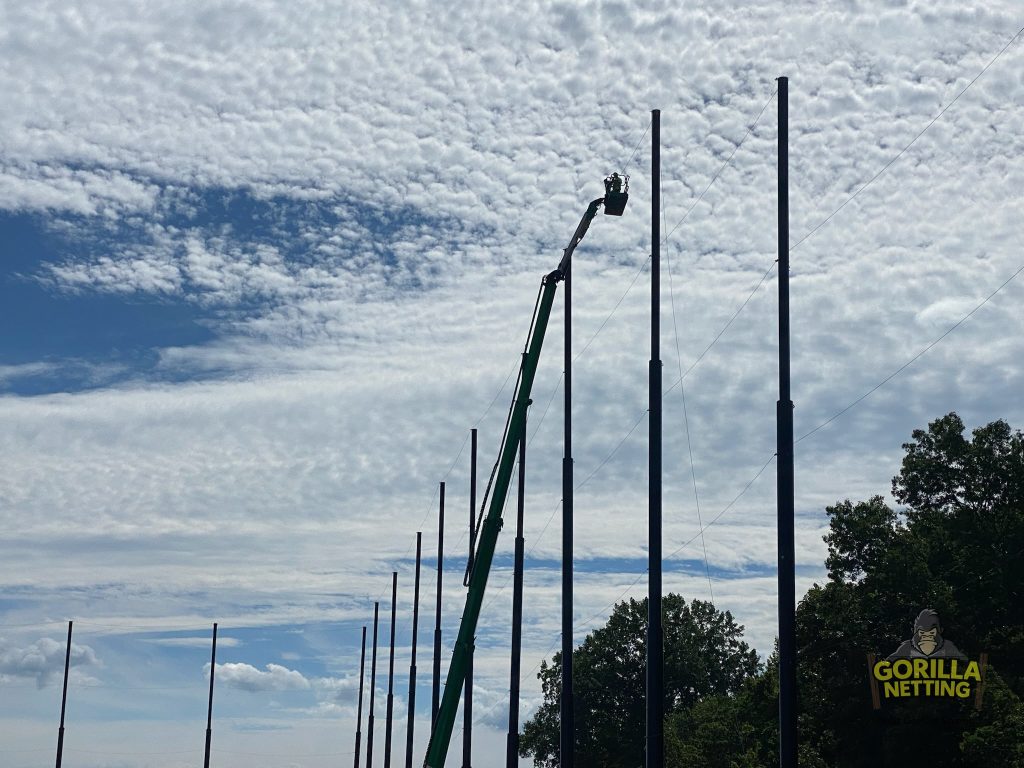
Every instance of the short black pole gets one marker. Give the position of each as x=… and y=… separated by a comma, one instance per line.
x=436, y=682
x=567, y=709
x=389, y=719
x=655, y=633
x=359, y=711
x=467, y=702
x=784, y=466
x=209, y=706
x=373, y=688
x=64, y=699
x=412, y=665
x=512, y=743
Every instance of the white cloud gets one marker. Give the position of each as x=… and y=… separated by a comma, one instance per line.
x=340, y=688
x=42, y=660
x=246, y=677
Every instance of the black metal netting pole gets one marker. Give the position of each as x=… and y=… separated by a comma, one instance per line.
x=359, y=711
x=512, y=740
x=209, y=706
x=64, y=699
x=467, y=701
x=435, y=702
x=412, y=664
x=373, y=687
x=389, y=718
x=655, y=632
x=784, y=465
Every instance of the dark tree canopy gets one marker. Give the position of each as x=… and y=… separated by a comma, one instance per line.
x=731, y=730
x=704, y=656
x=957, y=546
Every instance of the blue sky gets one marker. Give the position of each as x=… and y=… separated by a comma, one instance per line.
x=79, y=331
x=264, y=265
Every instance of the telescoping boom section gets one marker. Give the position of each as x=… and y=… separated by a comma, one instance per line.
x=441, y=733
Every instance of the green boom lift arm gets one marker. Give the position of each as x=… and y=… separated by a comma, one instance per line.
x=441, y=733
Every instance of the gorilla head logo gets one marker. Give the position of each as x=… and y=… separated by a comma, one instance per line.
x=927, y=640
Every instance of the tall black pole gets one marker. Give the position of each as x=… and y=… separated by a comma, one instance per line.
x=209, y=706
x=655, y=633
x=784, y=465
x=389, y=719
x=512, y=742
x=359, y=711
x=64, y=699
x=467, y=702
x=436, y=683
x=567, y=712
x=373, y=688
x=412, y=664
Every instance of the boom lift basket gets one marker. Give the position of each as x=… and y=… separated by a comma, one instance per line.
x=616, y=193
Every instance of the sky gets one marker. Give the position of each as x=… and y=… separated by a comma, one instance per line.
x=264, y=265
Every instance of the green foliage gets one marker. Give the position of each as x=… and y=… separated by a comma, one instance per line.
x=859, y=537
x=966, y=506
x=729, y=730
x=704, y=656
x=996, y=736
x=957, y=547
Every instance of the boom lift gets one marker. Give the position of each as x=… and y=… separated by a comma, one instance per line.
x=614, y=201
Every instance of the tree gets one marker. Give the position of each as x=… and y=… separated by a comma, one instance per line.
x=730, y=730
x=956, y=546
x=965, y=502
x=704, y=656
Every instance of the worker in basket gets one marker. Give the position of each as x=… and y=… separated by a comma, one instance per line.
x=613, y=184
